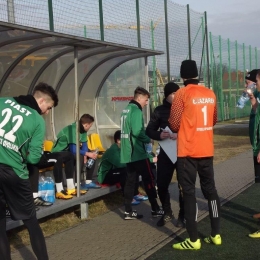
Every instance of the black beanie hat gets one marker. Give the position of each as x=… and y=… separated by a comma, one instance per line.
x=170, y=88
x=189, y=69
x=251, y=75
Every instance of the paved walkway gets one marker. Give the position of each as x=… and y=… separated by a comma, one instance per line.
x=110, y=237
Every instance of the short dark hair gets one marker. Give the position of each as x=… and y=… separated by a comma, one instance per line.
x=86, y=118
x=117, y=135
x=141, y=91
x=47, y=90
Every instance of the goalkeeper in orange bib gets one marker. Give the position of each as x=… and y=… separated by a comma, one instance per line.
x=193, y=115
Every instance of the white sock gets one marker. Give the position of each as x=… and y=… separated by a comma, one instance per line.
x=59, y=187
x=70, y=184
x=88, y=181
x=35, y=195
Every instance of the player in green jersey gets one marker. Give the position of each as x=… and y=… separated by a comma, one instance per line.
x=22, y=131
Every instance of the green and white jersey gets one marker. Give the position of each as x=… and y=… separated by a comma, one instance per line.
x=66, y=137
x=22, y=131
x=133, y=137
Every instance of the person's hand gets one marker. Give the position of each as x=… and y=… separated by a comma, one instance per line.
x=91, y=155
x=164, y=135
x=173, y=136
x=155, y=159
x=253, y=100
x=258, y=157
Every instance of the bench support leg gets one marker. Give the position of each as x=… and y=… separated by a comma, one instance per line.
x=84, y=210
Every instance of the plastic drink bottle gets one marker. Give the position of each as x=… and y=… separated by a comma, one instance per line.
x=149, y=147
x=245, y=97
x=50, y=190
x=91, y=161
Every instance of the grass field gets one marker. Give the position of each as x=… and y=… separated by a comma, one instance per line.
x=236, y=224
x=229, y=141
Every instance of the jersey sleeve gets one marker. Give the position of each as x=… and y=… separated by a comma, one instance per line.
x=177, y=109
x=36, y=144
x=138, y=128
x=153, y=126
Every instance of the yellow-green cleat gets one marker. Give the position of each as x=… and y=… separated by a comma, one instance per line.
x=216, y=240
x=255, y=235
x=187, y=244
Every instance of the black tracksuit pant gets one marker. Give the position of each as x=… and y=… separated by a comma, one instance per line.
x=56, y=160
x=165, y=169
x=119, y=175
x=134, y=169
x=187, y=169
x=257, y=170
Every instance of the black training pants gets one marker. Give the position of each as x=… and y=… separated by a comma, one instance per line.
x=187, y=169
x=165, y=169
x=134, y=169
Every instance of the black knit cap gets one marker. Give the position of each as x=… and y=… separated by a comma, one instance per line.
x=169, y=88
x=189, y=69
x=251, y=75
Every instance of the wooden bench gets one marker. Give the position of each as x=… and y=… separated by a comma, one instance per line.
x=60, y=205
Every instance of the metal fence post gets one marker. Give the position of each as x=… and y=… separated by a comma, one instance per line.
x=51, y=23
x=167, y=40
x=229, y=76
x=85, y=31
x=154, y=68
x=244, y=60
x=211, y=63
x=101, y=21
x=250, y=57
x=256, y=62
x=10, y=11
x=189, y=37
x=237, y=82
x=138, y=24
x=221, y=79
x=207, y=47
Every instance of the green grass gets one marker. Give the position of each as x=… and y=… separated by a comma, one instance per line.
x=236, y=224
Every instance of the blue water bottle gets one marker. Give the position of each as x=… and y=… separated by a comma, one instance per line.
x=50, y=190
x=40, y=186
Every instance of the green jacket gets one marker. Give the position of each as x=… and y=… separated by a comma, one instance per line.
x=22, y=131
x=66, y=137
x=110, y=160
x=133, y=137
x=252, y=118
x=254, y=123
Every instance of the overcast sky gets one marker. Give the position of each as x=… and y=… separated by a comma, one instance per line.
x=234, y=19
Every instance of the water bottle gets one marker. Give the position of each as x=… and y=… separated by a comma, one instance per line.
x=149, y=148
x=43, y=187
x=245, y=97
x=40, y=186
x=50, y=190
x=91, y=161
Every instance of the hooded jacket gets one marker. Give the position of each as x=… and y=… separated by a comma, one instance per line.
x=159, y=119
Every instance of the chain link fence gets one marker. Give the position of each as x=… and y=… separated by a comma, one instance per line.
x=160, y=25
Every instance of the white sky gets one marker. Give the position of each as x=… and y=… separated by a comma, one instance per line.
x=234, y=19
